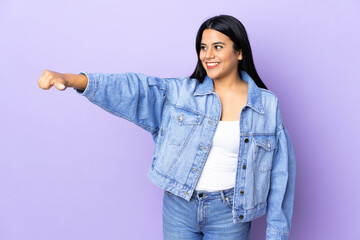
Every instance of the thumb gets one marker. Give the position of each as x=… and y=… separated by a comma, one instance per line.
x=60, y=86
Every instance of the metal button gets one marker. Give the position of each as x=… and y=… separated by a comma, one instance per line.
x=200, y=195
x=180, y=118
x=246, y=140
x=242, y=192
x=241, y=217
x=212, y=123
x=268, y=144
x=244, y=166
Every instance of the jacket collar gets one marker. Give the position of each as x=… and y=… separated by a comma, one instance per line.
x=254, y=93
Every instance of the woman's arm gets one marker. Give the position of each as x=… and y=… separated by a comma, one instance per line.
x=62, y=81
x=135, y=97
x=282, y=186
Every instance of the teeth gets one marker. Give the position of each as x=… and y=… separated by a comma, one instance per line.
x=212, y=64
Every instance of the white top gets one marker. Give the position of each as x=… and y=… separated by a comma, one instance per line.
x=219, y=172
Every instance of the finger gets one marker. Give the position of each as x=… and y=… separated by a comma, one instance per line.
x=40, y=80
x=44, y=82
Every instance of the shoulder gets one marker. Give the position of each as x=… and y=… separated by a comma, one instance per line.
x=182, y=82
x=268, y=94
x=272, y=105
x=269, y=99
x=181, y=88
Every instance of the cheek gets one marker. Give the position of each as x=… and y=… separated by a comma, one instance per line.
x=232, y=60
x=201, y=56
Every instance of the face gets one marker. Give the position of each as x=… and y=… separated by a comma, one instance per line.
x=218, y=56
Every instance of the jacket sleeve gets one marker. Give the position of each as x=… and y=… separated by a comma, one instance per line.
x=135, y=97
x=282, y=187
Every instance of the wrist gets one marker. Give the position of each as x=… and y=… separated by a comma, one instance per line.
x=77, y=81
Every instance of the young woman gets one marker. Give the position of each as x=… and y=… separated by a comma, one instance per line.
x=222, y=154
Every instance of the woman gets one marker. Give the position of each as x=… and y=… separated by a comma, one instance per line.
x=222, y=154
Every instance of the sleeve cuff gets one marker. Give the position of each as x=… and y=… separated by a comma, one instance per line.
x=276, y=235
x=91, y=85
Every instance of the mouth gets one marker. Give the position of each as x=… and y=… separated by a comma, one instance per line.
x=210, y=65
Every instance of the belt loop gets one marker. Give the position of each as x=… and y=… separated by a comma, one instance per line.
x=223, y=196
x=195, y=194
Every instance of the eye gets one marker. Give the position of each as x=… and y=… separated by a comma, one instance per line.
x=202, y=47
x=218, y=47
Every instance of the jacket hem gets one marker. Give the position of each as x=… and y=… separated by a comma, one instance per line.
x=185, y=192
x=272, y=234
x=170, y=185
x=242, y=215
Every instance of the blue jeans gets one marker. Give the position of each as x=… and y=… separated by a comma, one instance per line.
x=207, y=216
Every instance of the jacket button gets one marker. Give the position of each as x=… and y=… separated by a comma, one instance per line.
x=200, y=195
x=241, y=217
x=242, y=192
x=244, y=166
x=180, y=118
x=246, y=140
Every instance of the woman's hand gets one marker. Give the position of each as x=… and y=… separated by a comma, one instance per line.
x=62, y=81
x=51, y=78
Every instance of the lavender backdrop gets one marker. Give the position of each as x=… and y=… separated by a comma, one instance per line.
x=69, y=170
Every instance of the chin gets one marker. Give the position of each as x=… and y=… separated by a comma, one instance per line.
x=212, y=75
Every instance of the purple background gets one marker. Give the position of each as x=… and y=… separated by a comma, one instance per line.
x=69, y=170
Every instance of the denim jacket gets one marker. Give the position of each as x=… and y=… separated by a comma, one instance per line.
x=182, y=116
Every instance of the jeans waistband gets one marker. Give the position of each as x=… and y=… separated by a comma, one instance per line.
x=216, y=194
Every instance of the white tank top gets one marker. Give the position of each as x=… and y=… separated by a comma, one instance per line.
x=219, y=171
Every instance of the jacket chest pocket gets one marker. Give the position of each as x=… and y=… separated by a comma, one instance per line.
x=264, y=146
x=263, y=152
x=182, y=125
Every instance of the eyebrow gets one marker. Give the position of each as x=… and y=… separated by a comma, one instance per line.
x=214, y=43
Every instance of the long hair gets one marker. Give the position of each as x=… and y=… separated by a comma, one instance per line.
x=235, y=30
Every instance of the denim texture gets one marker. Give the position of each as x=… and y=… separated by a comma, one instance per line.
x=182, y=116
x=208, y=215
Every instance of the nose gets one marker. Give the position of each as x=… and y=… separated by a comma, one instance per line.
x=209, y=53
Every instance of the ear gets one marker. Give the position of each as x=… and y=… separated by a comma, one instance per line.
x=240, y=56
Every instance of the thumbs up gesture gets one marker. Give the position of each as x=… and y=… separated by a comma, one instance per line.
x=61, y=81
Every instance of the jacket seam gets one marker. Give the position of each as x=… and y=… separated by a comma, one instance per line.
x=186, y=109
x=279, y=129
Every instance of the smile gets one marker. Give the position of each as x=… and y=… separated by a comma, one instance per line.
x=210, y=65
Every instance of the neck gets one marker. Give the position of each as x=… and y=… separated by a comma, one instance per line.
x=228, y=83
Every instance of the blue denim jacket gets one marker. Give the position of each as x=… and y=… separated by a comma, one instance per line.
x=182, y=116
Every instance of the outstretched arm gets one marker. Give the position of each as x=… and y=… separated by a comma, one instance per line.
x=135, y=97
